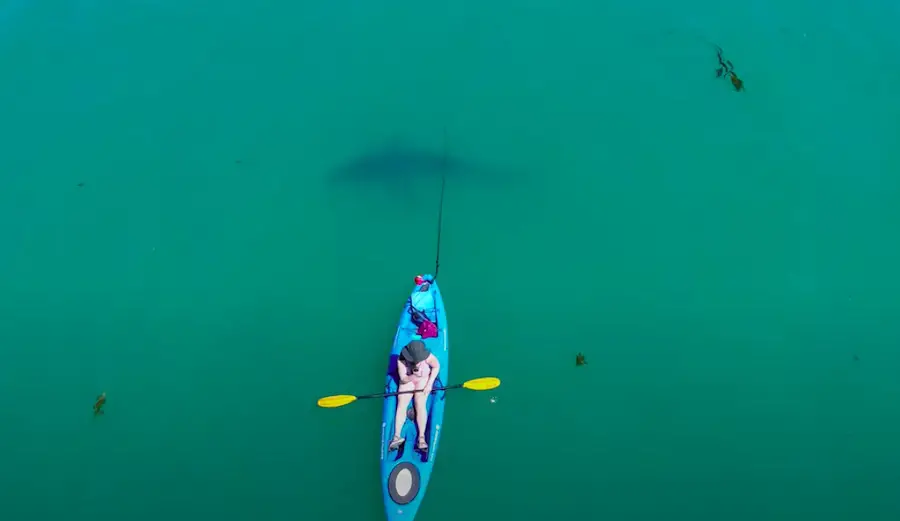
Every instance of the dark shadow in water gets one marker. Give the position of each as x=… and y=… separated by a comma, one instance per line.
x=399, y=168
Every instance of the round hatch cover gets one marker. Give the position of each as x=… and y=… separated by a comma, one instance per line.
x=403, y=483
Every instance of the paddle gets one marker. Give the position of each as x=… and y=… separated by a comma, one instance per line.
x=478, y=384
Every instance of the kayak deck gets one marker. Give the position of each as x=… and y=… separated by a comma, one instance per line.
x=405, y=473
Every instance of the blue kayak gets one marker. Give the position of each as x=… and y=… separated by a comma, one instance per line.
x=405, y=472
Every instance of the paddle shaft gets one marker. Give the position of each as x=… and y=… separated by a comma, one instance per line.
x=385, y=395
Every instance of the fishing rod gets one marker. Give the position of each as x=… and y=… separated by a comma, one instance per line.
x=437, y=259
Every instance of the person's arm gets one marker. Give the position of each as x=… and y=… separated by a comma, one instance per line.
x=402, y=372
x=432, y=361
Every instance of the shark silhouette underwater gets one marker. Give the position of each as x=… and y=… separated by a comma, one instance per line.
x=399, y=167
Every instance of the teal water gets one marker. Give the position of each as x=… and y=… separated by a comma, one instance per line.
x=726, y=261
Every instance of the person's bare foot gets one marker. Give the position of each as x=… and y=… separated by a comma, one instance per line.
x=422, y=445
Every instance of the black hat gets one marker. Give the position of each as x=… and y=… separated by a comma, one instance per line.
x=415, y=352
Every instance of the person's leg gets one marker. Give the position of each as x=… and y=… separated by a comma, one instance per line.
x=419, y=403
x=400, y=415
x=421, y=400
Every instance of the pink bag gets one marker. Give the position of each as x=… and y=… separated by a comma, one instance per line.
x=427, y=329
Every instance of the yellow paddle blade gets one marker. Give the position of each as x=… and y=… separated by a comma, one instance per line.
x=339, y=400
x=482, y=384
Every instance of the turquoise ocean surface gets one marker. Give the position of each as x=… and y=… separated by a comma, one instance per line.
x=213, y=212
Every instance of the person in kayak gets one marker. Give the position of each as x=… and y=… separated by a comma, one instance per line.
x=417, y=369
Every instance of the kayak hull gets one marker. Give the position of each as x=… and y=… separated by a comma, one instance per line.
x=405, y=473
